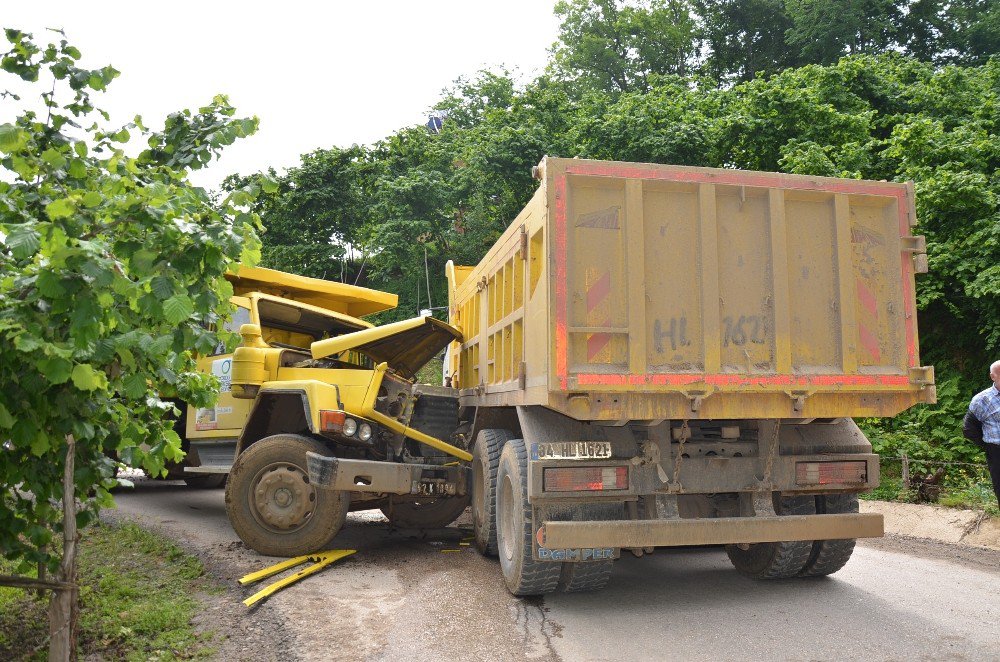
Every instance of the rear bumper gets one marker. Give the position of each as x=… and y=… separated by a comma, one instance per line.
x=707, y=475
x=719, y=531
x=387, y=477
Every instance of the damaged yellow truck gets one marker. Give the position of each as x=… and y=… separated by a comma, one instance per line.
x=649, y=356
x=291, y=311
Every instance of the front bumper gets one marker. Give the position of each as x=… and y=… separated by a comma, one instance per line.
x=719, y=531
x=372, y=476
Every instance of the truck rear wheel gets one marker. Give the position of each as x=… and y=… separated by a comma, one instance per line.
x=829, y=556
x=776, y=560
x=522, y=574
x=271, y=504
x=485, y=461
x=429, y=514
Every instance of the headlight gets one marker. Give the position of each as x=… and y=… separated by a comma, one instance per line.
x=350, y=427
x=365, y=432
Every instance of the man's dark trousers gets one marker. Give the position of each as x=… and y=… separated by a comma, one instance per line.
x=993, y=460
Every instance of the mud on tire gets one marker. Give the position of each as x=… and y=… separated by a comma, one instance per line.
x=776, y=560
x=271, y=505
x=485, y=461
x=829, y=556
x=522, y=574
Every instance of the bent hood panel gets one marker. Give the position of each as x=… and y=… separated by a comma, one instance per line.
x=406, y=346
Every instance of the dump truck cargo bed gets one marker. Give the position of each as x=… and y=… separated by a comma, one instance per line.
x=631, y=291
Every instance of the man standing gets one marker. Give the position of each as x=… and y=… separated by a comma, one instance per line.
x=982, y=423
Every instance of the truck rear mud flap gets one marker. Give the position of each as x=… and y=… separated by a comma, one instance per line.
x=719, y=531
x=387, y=477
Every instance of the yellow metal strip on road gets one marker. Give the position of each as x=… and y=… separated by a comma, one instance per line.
x=275, y=569
x=320, y=561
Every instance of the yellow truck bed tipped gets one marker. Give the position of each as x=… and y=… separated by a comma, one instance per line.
x=628, y=291
x=339, y=297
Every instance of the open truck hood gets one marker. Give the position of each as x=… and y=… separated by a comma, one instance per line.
x=406, y=346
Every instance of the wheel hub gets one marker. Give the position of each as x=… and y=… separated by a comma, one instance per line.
x=283, y=499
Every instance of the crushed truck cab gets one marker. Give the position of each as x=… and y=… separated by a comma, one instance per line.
x=341, y=426
x=292, y=312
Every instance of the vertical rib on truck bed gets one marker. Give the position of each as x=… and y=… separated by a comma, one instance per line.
x=632, y=291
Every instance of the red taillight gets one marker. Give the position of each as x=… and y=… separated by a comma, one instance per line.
x=581, y=479
x=331, y=421
x=830, y=473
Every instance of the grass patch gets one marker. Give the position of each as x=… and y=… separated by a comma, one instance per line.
x=138, y=596
x=431, y=372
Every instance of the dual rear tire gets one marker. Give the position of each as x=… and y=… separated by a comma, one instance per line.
x=502, y=522
x=798, y=558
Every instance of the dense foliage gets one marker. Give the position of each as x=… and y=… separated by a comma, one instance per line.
x=877, y=89
x=111, y=264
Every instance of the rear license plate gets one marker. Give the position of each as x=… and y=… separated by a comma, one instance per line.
x=571, y=450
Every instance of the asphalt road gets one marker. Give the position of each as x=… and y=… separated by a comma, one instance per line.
x=430, y=597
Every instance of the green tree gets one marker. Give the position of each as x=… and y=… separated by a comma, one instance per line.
x=972, y=35
x=824, y=30
x=316, y=213
x=744, y=38
x=616, y=46
x=111, y=269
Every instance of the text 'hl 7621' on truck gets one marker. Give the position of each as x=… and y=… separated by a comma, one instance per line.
x=648, y=356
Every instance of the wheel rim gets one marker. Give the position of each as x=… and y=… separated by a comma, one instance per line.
x=507, y=518
x=282, y=500
x=479, y=489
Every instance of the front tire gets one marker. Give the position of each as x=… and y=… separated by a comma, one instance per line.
x=271, y=504
x=522, y=574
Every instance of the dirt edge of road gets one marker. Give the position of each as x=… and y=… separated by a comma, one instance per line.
x=242, y=634
x=947, y=525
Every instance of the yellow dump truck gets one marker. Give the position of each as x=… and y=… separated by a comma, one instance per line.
x=658, y=356
x=648, y=356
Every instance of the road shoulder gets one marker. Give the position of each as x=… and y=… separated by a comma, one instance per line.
x=239, y=634
x=937, y=523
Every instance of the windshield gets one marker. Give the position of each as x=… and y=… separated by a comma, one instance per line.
x=291, y=327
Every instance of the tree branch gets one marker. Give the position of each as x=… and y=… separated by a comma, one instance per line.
x=30, y=583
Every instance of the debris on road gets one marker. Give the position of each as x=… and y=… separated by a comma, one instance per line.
x=319, y=560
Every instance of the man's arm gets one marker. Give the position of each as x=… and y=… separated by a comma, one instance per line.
x=972, y=428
